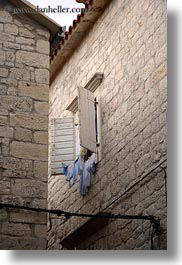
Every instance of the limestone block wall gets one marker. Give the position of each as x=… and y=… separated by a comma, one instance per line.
x=128, y=45
x=24, y=90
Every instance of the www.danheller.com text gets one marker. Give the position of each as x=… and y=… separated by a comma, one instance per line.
x=48, y=9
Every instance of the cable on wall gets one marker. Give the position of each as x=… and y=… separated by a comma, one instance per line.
x=154, y=220
x=50, y=224
x=136, y=183
x=165, y=179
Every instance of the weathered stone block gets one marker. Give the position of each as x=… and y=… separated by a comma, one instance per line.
x=24, y=135
x=27, y=165
x=17, y=200
x=1, y=27
x=42, y=76
x=18, y=22
x=3, y=91
x=43, y=33
x=6, y=37
x=32, y=59
x=42, y=108
x=20, y=74
x=39, y=92
x=2, y=57
x=12, y=229
x=5, y=145
x=39, y=203
x=30, y=189
x=161, y=55
x=159, y=73
x=41, y=170
x=11, y=29
x=9, y=82
x=43, y=46
x=3, y=214
x=21, y=40
x=29, y=121
x=41, y=137
x=4, y=187
x=27, y=48
x=148, y=69
x=3, y=120
x=26, y=33
x=6, y=131
x=29, y=151
x=41, y=231
x=5, y=16
x=9, y=64
x=10, y=56
x=14, y=103
x=8, y=45
x=3, y=72
x=14, y=162
x=17, y=243
x=29, y=26
x=12, y=91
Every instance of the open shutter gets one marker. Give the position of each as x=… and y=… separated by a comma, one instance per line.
x=87, y=119
x=62, y=144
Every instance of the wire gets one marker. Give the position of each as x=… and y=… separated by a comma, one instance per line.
x=155, y=222
x=151, y=218
x=165, y=179
x=136, y=183
x=152, y=238
x=50, y=224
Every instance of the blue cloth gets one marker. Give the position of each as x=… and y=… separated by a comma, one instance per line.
x=71, y=176
x=88, y=168
x=73, y=171
x=84, y=169
x=92, y=168
x=70, y=173
x=78, y=166
x=65, y=169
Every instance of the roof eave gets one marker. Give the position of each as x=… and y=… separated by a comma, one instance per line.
x=74, y=37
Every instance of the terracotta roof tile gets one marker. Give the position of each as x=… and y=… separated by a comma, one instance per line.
x=69, y=32
x=75, y=34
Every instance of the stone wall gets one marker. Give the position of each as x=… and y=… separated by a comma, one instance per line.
x=24, y=89
x=128, y=45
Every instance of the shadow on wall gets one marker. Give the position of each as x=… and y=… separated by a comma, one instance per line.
x=172, y=254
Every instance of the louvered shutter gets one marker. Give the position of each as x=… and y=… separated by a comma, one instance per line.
x=87, y=119
x=62, y=144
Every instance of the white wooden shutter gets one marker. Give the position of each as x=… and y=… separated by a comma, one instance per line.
x=62, y=144
x=87, y=119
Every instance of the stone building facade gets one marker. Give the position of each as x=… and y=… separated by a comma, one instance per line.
x=127, y=44
x=24, y=95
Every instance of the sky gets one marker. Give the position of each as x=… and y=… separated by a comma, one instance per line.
x=64, y=19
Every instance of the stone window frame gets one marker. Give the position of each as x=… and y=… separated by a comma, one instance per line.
x=73, y=107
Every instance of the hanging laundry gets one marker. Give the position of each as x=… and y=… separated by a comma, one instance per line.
x=78, y=166
x=88, y=168
x=71, y=176
x=92, y=163
x=65, y=169
x=82, y=168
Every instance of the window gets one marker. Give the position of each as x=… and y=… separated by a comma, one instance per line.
x=86, y=105
x=77, y=134
x=83, y=129
x=62, y=144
